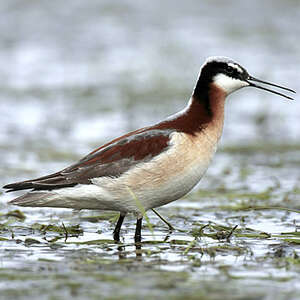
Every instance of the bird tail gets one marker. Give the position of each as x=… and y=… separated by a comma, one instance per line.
x=49, y=182
x=34, y=199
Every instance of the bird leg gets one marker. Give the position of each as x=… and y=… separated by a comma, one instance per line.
x=138, y=229
x=118, y=227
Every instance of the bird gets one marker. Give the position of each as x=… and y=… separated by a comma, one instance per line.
x=152, y=166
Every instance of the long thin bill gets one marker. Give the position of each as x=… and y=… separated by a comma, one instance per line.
x=269, y=90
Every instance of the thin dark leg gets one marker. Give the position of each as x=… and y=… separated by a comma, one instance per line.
x=138, y=229
x=118, y=228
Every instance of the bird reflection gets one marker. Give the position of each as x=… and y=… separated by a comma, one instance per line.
x=138, y=247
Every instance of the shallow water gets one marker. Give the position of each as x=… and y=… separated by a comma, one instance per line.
x=75, y=74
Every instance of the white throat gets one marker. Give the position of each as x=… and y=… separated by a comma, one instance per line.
x=228, y=84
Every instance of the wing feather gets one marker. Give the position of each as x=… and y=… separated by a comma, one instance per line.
x=112, y=159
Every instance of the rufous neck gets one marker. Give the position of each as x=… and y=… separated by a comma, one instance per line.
x=200, y=113
x=211, y=101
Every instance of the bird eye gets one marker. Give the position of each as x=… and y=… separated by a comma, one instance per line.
x=229, y=69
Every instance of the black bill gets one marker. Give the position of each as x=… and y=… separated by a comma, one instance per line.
x=269, y=90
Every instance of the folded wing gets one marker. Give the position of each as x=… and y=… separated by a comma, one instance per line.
x=112, y=159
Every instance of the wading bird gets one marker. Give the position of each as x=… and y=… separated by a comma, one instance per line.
x=152, y=166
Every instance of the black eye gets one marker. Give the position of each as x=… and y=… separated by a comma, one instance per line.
x=230, y=70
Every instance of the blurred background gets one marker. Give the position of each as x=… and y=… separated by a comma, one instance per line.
x=75, y=74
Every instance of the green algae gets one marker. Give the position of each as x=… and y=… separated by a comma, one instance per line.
x=29, y=242
x=267, y=148
x=93, y=242
x=44, y=228
x=292, y=241
x=235, y=194
x=15, y=214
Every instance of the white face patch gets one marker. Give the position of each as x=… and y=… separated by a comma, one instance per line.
x=228, y=84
